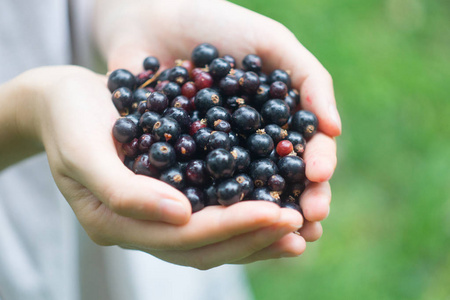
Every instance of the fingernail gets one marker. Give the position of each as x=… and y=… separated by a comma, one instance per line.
x=171, y=209
x=334, y=115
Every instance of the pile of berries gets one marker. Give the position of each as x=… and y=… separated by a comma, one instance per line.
x=218, y=133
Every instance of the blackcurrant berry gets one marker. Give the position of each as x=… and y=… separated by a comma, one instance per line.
x=260, y=144
x=298, y=141
x=171, y=90
x=280, y=75
x=174, y=177
x=148, y=120
x=229, y=85
x=249, y=83
x=252, y=63
x=220, y=163
x=245, y=120
x=142, y=166
x=229, y=192
x=125, y=130
x=167, y=130
x=207, y=98
x=276, y=183
x=185, y=147
x=246, y=183
x=219, y=139
x=179, y=75
x=204, y=54
x=162, y=155
x=121, y=78
x=275, y=111
x=242, y=158
x=217, y=113
x=261, y=170
x=195, y=197
x=179, y=115
x=278, y=90
x=219, y=68
x=292, y=168
x=263, y=193
x=122, y=98
x=151, y=63
x=305, y=122
x=276, y=132
x=157, y=102
x=196, y=173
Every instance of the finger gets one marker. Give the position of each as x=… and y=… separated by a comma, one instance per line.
x=211, y=225
x=320, y=157
x=315, y=201
x=311, y=231
x=231, y=250
x=291, y=245
x=307, y=73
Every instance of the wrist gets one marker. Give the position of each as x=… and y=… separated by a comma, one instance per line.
x=18, y=135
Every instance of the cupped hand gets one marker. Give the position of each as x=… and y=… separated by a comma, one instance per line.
x=170, y=30
x=73, y=115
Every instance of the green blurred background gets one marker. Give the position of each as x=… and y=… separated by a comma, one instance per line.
x=388, y=234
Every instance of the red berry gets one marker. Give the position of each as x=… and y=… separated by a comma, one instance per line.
x=203, y=80
x=188, y=89
x=284, y=148
x=195, y=126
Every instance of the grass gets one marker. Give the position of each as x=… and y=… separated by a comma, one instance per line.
x=388, y=234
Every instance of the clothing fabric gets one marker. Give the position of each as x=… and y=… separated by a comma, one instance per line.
x=44, y=252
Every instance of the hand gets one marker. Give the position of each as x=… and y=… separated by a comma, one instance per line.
x=170, y=30
x=72, y=114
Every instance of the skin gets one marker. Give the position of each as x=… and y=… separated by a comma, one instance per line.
x=117, y=207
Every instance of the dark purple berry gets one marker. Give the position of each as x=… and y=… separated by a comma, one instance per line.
x=220, y=163
x=245, y=120
x=219, y=139
x=292, y=205
x=142, y=166
x=196, y=173
x=252, y=63
x=260, y=144
x=148, y=120
x=207, y=98
x=246, y=183
x=167, y=130
x=292, y=168
x=181, y=102
x=280, y=75
x=263, y=193
x=221, y=125
x=230, y=59
x=179, y=115
x=145, y=142
x=276, y=132
x=131, y=149
x=305, y=122
x=151, y=63
x=121, y=78
x=211, y=196
x=219, y=68
x=229, y=85
x=234, y=102
x=185, y=147
x=275, y=111
x=171, y=90
x=125, y=130
x=217, y=113
x=229, y=192
x=122, y=98
x=242, y=158
x=204, y=54
x=201, y=138
x=179, y=75
x=261, y=170
x=162, y=155
x=261, y=96
x=249, y=83
x=276, y=183
x=174, y=177
x=157, y=102
x=278, y=90
x=195, y=197
x=298, y=141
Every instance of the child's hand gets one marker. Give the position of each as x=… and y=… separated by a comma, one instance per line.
x=170, y=30
x=70, y=111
